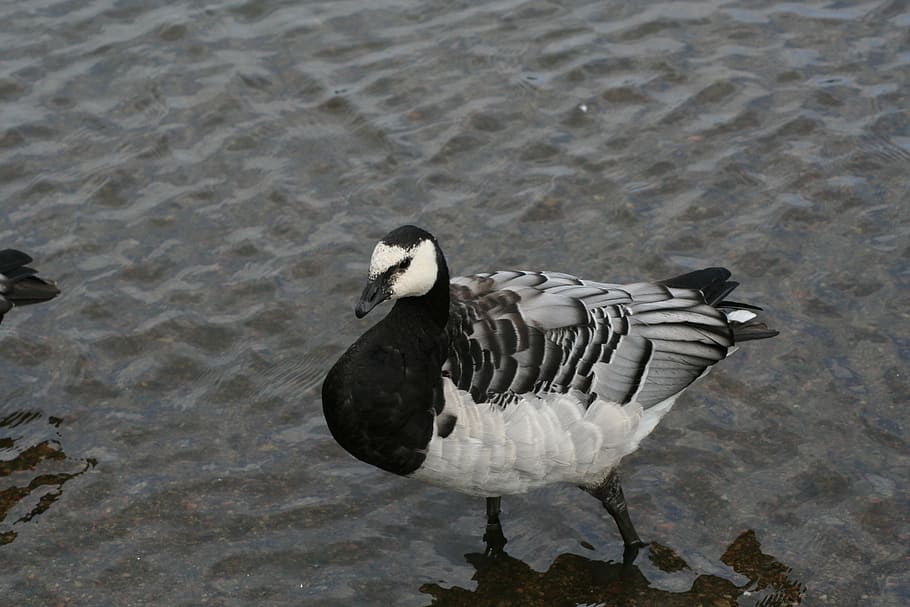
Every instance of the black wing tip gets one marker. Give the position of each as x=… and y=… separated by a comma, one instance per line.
x=713, y=282
x=737, y=305
x=698, y=279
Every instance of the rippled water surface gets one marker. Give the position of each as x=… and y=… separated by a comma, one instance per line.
x=206, y=182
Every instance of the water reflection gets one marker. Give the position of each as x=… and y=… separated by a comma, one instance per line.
x=32, y=481
x=572, y=580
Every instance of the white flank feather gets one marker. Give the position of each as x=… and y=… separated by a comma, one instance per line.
x=536, y=441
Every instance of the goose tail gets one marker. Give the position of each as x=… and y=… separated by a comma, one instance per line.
x=20, y=285
x=715, y=285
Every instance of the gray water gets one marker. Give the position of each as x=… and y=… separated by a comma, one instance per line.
x=207, y=181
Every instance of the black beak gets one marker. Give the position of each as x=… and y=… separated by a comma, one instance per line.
x=373, y=294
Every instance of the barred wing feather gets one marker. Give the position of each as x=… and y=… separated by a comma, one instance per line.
x=511, y=333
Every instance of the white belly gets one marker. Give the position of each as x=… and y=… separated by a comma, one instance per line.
x=552, y=438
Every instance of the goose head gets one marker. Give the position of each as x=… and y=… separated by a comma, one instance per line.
x=405, y=263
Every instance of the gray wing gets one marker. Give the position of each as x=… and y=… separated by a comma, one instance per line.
x=512, y=333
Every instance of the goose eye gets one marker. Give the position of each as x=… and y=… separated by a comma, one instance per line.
x=405, y=263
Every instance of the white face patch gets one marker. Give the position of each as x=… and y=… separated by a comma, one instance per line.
x=415, y=280
x=384, y=257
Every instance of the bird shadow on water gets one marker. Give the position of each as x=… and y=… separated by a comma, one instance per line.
x=575, y=580
x=31, y=481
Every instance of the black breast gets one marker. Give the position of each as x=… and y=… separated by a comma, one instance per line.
x=381, y=397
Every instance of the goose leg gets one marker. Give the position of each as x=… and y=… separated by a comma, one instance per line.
x=610, y=495
x=493, y=536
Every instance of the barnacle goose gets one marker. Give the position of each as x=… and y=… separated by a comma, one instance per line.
x=19, y=284
x=497, y=383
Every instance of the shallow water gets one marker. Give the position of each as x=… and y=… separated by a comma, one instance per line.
x=206, y=182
